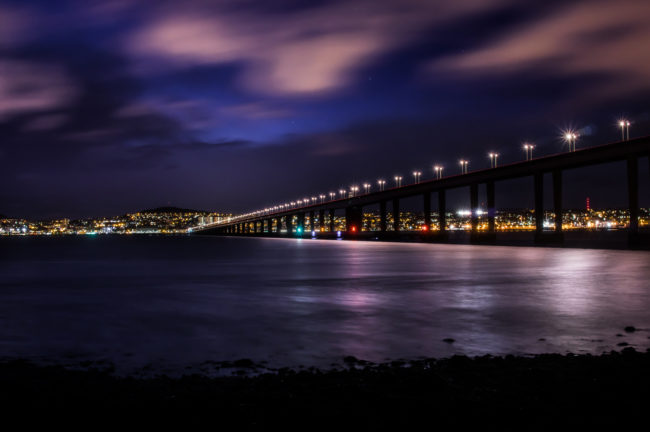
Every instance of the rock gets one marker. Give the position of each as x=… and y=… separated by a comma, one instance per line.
x=622, y=344
x=350, y=359
x=619, y=335
x=449, y=340
x=541, y=340
x=630, y=329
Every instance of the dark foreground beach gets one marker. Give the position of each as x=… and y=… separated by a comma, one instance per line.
x=545, y=391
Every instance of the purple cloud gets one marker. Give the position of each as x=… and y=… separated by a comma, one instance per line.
x=591, y=37
x=304, y=52
x=31, y=87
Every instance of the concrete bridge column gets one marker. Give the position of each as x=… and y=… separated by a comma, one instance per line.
x=539, y=203
x=382, y=216
x=278, y=225
x=332, y=220
x=312, y=225
x=353, y=219
x=321, y=220
x=633, y=193
x=442, y=210
x=492, y=211
x=473, y=200
x=396, y=218
x=289, y=222
x=557, y=201
x=300, y=224
x=427, y=211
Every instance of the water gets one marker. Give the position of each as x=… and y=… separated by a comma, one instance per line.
x=177, y=301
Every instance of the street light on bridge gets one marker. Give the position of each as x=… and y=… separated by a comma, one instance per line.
x=353, y=190
x=332, y=196
x=438, y=170
x=366, y=186
x=528, y=148
x=398, y=181
x=416, y=176
x=625, y=129
x=322, y=198
x=571, y=137
x=463, y=166
x=493, y=159
x=342, y=192
x=381, y=184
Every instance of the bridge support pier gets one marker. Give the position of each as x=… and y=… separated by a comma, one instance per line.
x=556, y=237
x=427, y=212
x=633, y=201
x=382, y=216
x=473, y=200
x=331, y=221
x=557, y=202
x=300, y=224
x=353, y=219
x=442, y=214
x=289, y=222
x=321, y=220
x=312, y=224
x=396, y=216
x=491, y=207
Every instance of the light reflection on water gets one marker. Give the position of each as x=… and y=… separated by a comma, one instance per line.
x=182, y=300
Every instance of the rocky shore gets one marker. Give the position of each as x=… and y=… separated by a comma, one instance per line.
x=539, y=392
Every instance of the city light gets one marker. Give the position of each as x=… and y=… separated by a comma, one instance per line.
x=416, y=176
x=463, y=166
x=398, y=181
x=366, y=187
x=381, y=184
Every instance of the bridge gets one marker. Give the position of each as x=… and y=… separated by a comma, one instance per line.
x=320, y=217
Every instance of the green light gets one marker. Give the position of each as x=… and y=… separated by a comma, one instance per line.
x=299, y=230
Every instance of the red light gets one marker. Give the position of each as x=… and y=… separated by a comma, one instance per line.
x=425, y=228
x=354, y=229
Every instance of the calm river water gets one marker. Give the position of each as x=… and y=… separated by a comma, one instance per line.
x=178, y=301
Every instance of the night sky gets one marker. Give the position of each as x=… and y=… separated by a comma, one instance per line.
x=112, y=106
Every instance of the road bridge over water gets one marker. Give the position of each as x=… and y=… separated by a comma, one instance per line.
x=318, y=219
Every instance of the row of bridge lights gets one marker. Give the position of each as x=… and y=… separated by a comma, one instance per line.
x=570, y=137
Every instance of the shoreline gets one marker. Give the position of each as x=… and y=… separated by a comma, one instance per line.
x=527, y=392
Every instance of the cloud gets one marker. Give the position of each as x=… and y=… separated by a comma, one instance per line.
x=27, y=87
x=596, y=38
x=14, y=25
x=298, y=52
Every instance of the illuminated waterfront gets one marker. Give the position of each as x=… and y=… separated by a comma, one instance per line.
x=178, y=301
